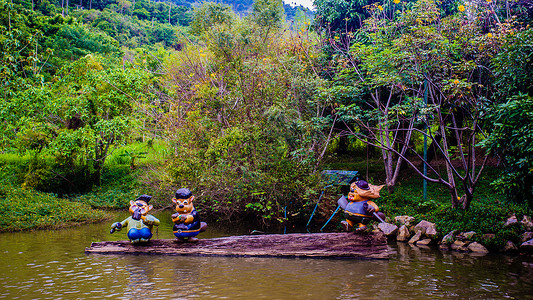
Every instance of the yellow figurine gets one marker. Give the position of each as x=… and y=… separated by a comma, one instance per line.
x=359, y=209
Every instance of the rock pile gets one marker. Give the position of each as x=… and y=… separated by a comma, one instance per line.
x=425, y=233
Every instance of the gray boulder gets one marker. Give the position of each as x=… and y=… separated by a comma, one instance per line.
x=511, y=221
x=466, y=236
x=416, y=237
x=527, y=246
x=477, y=248
x=404, y=220
x=389, y=230
x=449, y=238
x=510, y=247
x=526, y=236
x=427, y=228
x=423, y=242
x=459, y=246
x=527, y=223
x=403, y=234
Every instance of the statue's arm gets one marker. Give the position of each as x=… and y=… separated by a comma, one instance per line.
x=372, y=207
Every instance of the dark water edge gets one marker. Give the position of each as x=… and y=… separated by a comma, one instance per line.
x=51, y=264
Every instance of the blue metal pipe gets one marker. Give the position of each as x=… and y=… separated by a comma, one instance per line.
x=338, y=207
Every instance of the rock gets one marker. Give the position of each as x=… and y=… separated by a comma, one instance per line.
x=527, y=246
x=510, y=247
x=477, y=248
x=403, y=234
x=444, y=247
x=526, y=236
x=416, y=237
x=527, y=223
x=449, y=238
x=459, y=246
x=389, y=230
x=423, y=242
x=427, y=228
x=511, y=221
x=465, y=236
x=404, y=220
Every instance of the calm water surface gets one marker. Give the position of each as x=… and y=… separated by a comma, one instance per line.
x=52, y=265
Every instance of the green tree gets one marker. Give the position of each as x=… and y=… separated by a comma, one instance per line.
x=210, y=14
x=513, y=66
x=77, y=121
x=96, y=107
x=380, y=92
x=268, y=14
x=239, y=115
x=341, y=15
x=512, y=140
x=510, y=115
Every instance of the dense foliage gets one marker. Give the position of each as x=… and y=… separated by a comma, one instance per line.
x=512, y=139
x=26, y=209
x=238, y=113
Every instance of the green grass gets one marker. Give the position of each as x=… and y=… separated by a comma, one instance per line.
x=24, y=209
x=149, y=153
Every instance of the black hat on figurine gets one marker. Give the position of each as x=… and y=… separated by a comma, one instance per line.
x=362, y=185
x=183, y=193
x=145, y=198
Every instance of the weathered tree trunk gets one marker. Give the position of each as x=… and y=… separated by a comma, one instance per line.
x=295, y=245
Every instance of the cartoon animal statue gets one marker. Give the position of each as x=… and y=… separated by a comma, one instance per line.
x=187, y=224
x=140, y=223
x=359, y=209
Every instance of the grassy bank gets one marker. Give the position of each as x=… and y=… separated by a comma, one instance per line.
x=24, y=209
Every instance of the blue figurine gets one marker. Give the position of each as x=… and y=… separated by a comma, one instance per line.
x=187, y=224
x=140, y=223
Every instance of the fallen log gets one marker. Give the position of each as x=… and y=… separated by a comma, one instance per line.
x=296, y=245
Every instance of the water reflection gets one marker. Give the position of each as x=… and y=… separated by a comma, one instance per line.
x=52, y=265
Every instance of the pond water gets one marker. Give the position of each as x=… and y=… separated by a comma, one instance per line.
x=51, y=264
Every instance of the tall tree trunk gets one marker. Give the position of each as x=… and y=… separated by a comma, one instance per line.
x=449, y=171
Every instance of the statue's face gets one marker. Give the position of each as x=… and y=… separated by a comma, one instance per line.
x=139, y=208
x=353, y=195
x=184, y=206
